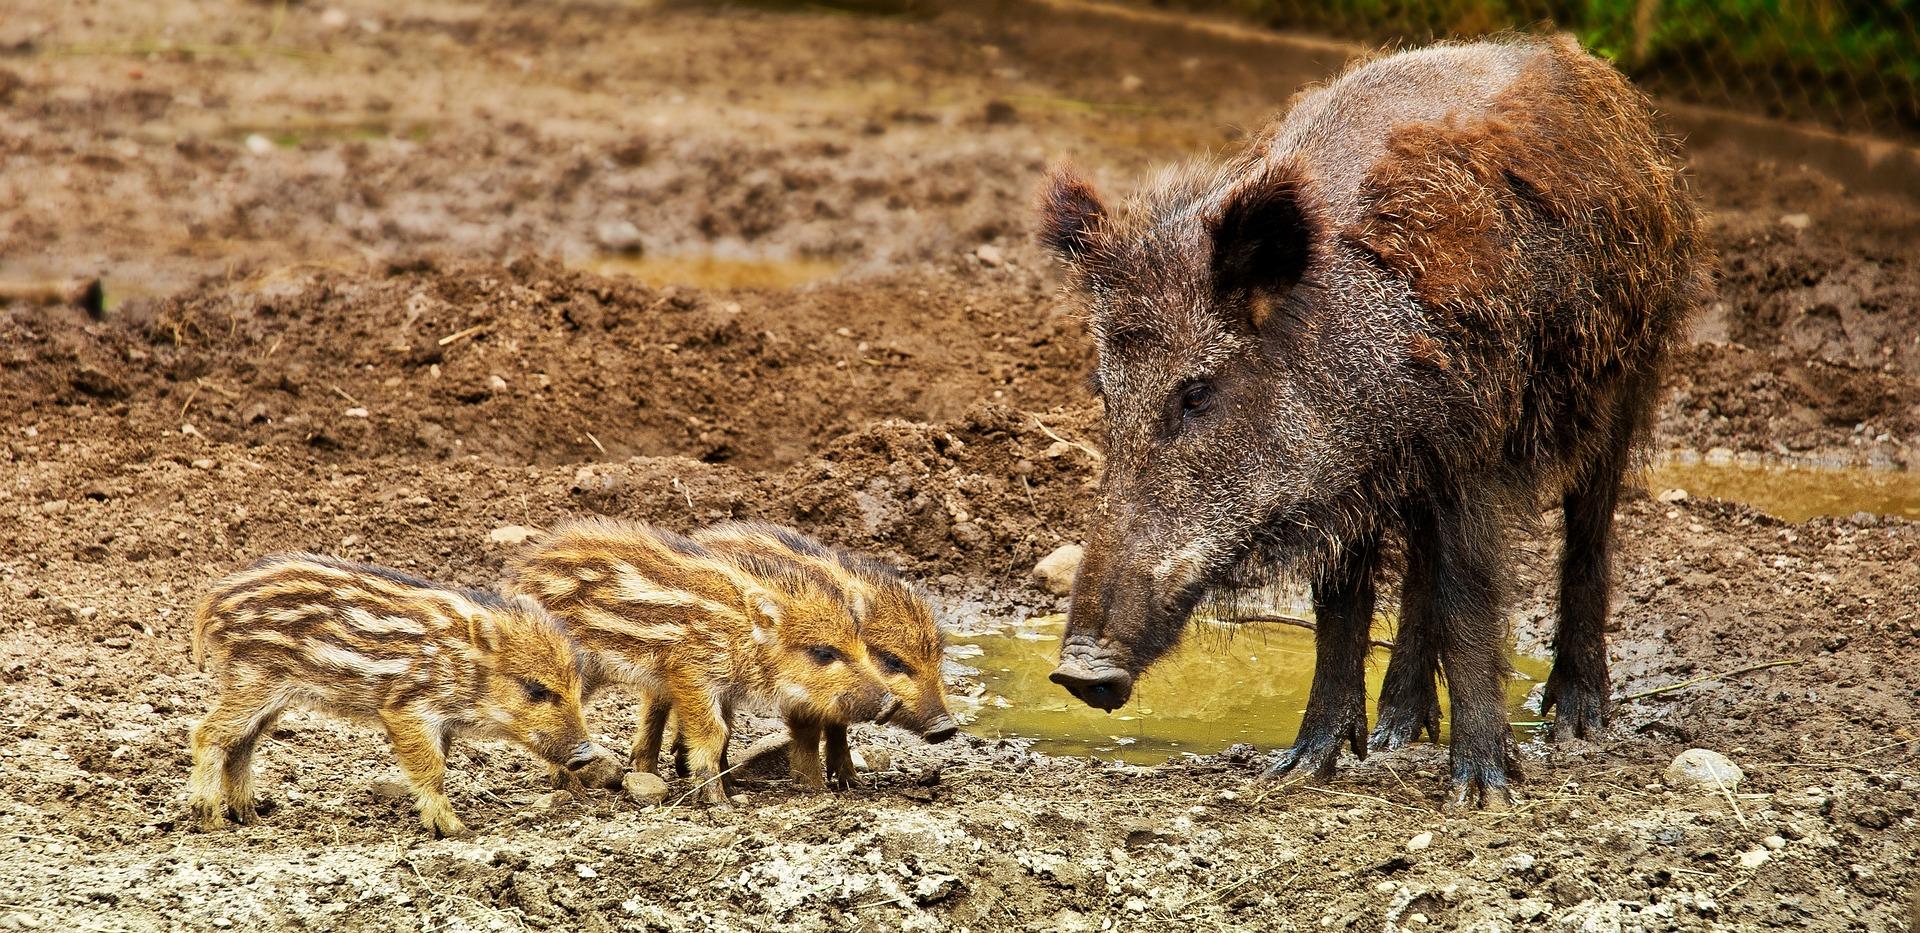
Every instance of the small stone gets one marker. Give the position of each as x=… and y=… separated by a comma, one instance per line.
x=1132, y=83
x=619, y=236
x=259, y=145
x=1699, y=767
x=1796, y=221
x=1055, y=571
x=1673, y=495
x=1518, y=864
x=390, y=790
x=511, y=535
x=585, y=871
x=53, y=506
x=990, y=255
x=204, y=464
x=877, y=758
x=551, y=800
x=1136, y=905
x=1754, y=858
x=739, y=800
x=355, y=412
x=1057, y=449
x=646, y=789
x=496, y=383
x=1419, y=842
x=1387, y=887
x=1775, y=843
x=222, y=922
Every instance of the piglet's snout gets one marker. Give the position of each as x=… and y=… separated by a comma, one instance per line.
x=584, y=754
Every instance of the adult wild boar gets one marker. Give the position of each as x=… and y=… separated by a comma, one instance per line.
x=1439, y=288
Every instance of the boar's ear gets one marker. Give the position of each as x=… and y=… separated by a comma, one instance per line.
x=1262, y=238
x=1070, y=214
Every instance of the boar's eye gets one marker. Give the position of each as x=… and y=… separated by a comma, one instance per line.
x=1196, y=398
x=823, y=655
x=891, y=662
x=537, y=692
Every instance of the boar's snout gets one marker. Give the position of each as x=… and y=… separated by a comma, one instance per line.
x=583, y=755
x=940, y=730
x=1107, y=688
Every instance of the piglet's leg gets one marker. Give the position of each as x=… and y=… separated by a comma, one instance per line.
x=703, y=728
x=418, y=748
x=223, y=753
x=653, y=728
x=803, y=755
x=237, y=776
x=839, y=765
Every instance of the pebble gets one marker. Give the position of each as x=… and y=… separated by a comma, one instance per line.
x=204, y=464
x=510, y=535
x=645, y=789
x=1796, y=221
x=1754, y=858
x=389, y=790
x=53, y=506
x=1519, y=864
x=1673, y=495
x=990, y=255
x=1419, y=842
x=619, y=236
x=355, y=412
x=1700, y=767
x=877, y=758
x=1055, y=572
x=1057, y=449
x=585, y=871
x=259, y=145
x=551, y=800
x=496, y=383
x=1775, y=843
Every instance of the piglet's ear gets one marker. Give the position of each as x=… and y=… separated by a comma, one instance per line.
x=766, y=615
x=1262, y=239
x=1070, y=214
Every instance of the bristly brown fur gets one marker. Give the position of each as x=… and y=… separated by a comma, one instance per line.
x=1470, y=264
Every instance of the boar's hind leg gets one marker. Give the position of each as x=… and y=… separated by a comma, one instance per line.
x=1409, y=699
x=223, y=746
x=1337, y=701
x=703, y=727
x=418, y=747
x=1578, y=685
x=1464, y=551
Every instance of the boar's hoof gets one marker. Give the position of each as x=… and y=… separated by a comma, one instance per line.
x=244, y=812
x=1582, y=709
x=1403, y=724
x=1318, y=748
x=1106, y=688
x=206, y=815
x=1481, y=785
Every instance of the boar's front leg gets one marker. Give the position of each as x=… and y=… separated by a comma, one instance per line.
x=703, y=730
x=840, y=770
x=804, y=766
x=1337, y=702
x=1409, y=698
x=1578, y=685
x=1464, y=546
x=420, y=750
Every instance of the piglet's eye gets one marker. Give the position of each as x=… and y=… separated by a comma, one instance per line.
x=890, y=662
x=823, y=655
x=537, y=692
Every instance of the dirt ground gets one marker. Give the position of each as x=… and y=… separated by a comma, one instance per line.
x=348, y=249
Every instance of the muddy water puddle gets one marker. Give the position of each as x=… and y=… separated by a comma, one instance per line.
x=1225, y=684
x=1791, y=492
x=709, y=271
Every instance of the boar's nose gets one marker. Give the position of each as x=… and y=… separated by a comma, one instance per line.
x=583, y=755
x=1106, y=689
x=940, y=730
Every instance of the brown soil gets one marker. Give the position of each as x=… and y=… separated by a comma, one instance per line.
x=370, y=334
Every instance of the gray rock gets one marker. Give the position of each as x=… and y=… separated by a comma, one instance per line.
x=1055, y=571
x=645, y=789
x=618, y=236
x=1699, y=767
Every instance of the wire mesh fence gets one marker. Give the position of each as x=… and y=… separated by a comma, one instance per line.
x=1851, y=65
